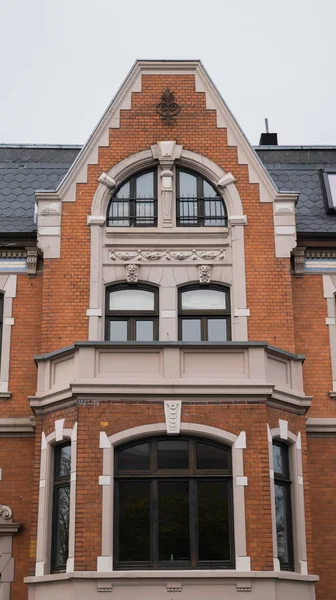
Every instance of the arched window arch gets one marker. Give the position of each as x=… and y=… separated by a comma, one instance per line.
x=134, y=203
x=132, y=313
x=198, y=203
x=283, y=504
x=173, y=504
x=204, y=313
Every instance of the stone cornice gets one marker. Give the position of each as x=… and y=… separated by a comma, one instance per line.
x=321, y=427
x=17, y=427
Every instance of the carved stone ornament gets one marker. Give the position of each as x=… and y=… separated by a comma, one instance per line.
x=204, y=272
x=168, y=107
x=5, y=512
x=173, y=416
x=166, y=255
x=32, y=261
x=132, y=273
x=299, y=261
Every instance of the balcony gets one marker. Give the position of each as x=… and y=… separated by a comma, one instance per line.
x=238, y=372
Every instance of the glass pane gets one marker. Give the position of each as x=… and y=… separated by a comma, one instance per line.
x=131, y=299
x=61, y=526
x=63, y=461
x=211, y=457
x=203, y=299
x=282, y=515
x=135, y=458
x=174, y=535
x=173, y=454
x=217, y=331
x=280, y=459
x=213, y=520
x=214, y=213
x=188, y=185
x=145, y=186
x=144, y=331
x=118, y=331
x=191, y=330
x=332, y=183
x=134, y=520
x=209, y=191
x=124, y=191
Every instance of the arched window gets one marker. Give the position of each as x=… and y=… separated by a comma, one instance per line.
x=173, y=504
x=204, y=314
x=61, y=507
x=132, y=313
x=135, y=202
x=198, y=202
x=283, y=505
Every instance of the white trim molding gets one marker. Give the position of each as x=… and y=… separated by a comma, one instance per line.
x=8, y=288
x=237, y=443
x=298, y=509
x=43, y=544
x=329, y=293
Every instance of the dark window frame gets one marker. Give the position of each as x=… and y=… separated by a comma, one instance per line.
x=204, y=315
x=58, y=482
x=132, y=316
x=201, y=198
x=328, y=197
x=284, y=480
x=154, y=475
x=133, y=220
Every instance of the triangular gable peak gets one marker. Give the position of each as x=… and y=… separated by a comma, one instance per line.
x=123, y=101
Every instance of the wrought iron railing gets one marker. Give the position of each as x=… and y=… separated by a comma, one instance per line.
x=208, y=212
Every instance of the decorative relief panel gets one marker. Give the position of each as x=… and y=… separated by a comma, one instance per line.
x=173, y=416
x=204, y=272
x=167, y=255
x=132, y=273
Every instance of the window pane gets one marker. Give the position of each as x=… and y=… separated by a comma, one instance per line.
x=191, y=330
x=134, y=520
x=144, y=331
x=209, y=191
x=213, y=520
x=63, y=461
x=280, y=459
x=61, y=526
x=124, y=191
x=203, y=299
x=217, y=331
x=211, y=457
x=214, y=213
x=173, y=454
x=332, y=183
x=145, y=186
x=131, y=299
x=118, y=331
x=188, y=185
x=282, y=514
x=174, y=535
x=135, y=458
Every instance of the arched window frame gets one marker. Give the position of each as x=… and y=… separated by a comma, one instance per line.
x=132, y=316
x=204, y=315
x=132, y=219
x=200, y=201
x=193, y=475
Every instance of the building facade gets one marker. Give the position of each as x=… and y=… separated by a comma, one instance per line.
x=168, y=356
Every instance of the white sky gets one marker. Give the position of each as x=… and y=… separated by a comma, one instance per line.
x=63, y=60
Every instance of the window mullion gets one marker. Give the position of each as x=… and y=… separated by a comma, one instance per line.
x=154, y=523
x=193, y=522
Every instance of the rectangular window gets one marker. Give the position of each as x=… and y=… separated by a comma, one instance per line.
x=329, y=188
x=61, y=507
x=283, y=509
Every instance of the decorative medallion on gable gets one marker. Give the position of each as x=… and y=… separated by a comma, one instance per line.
x=168, y=107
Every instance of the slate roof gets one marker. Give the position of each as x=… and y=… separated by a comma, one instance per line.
x=26, y=168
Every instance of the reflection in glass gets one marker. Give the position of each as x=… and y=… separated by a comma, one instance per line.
x=174, y=533
x=279, y=463
x=203, y=299
x=191, y=330
x=211, y=457
x=213, y=520
x=145, y=185
x=134, y=521
x=61, y=522
x=281, y=510
x=217, y=330
x=173, y=454
x=118, y=331
x=188, y=185
x=134, y=458
x=131, y=299
x=144, y=331
x=63, y=460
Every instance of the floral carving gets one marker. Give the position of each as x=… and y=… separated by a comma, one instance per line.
x=173, y=416
x=132, y=273
x=204, y=272
x=163, y=255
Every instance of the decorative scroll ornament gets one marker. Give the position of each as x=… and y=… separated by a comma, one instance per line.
x=5, y=512
x=167, y=255
x=173, y=416
x=168, y=107
x=204, y=272
x=132, y=273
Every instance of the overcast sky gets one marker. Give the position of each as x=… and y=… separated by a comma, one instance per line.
x=63, y=60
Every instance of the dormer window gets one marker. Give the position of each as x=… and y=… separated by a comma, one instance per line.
x=134, y=204
x=329, y=180
x=199, y=204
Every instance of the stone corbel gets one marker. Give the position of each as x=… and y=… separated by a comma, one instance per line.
x=172, y=412
x=226, y=180
x=107, y=180
x=204, y=273
x=299, y=260
x=32, y=256
x=132, y=273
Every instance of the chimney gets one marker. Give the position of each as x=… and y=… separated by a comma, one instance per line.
x=268, y=139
